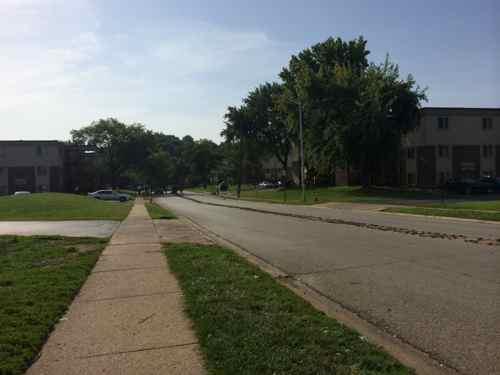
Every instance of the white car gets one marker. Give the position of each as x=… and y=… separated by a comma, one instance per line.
x=22, y=192
x=110, y=195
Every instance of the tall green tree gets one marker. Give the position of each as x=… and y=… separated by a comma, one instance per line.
x=355, y=112
x=325, y=80
x=110, y=138
x=387, y=108
x=239, y=131
x=272, y=130
x=204, y=160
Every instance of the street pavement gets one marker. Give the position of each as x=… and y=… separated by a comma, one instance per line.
x=129, y=317
x=441, y=296
x=70, y=228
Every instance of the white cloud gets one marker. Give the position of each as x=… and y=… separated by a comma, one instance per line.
x=206, y=49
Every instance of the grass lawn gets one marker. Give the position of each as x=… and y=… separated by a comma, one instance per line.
x=39, y=276
x=492, y=204
x=329, y=194
x=249, y=324
x=415, y=202
x=60, y=206
x=448, y=212
x=158, y=212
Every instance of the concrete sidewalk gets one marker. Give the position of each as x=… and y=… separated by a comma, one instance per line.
x=128, y=318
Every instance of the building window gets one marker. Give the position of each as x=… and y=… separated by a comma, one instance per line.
x=487, y=123
x=443, y=123
x=487, y=151
x=411, y=179
x=41, y=171
x=411, y=153
x=443, y=151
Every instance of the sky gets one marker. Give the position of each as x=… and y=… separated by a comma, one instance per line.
x=176, y=65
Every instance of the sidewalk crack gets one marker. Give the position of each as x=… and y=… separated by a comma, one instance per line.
x=130, y=296
x=139, y=350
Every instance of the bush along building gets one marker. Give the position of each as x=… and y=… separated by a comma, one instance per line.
x=451, y=142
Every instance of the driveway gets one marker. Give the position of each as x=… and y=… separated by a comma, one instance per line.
x=441, y=296
x=76, y=228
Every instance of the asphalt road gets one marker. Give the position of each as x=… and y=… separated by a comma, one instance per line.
x=441, y=296
x=422, y=223
x=70, y=228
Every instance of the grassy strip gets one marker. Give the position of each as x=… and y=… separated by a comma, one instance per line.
x=60, y=206
x=39, y=277
x=356, y=194
x=490, y=204
x=453, y=212
x=158, y=212
x=249, y=324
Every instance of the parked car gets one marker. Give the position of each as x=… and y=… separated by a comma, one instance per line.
x=469, y=185
x=110, y=195
x=222, y=186
x=23, y=192
x=267, y=185
x=492, y=183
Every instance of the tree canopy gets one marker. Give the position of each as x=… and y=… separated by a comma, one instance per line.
x=355, y=113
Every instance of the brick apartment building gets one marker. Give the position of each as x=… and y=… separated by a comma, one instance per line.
x=43, y=166
x=451, y=142
x=34, y=166
x=448, y=142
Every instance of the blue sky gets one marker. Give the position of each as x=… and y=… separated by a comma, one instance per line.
x=175, y=65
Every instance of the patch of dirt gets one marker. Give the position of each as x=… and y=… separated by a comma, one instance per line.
x=83, y=248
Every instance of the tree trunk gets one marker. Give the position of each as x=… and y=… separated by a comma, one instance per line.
x=240, y=171
x=285, y=169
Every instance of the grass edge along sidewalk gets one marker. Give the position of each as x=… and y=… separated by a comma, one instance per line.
x=60, y=206
x=39, y=278
x=157, y=212
x=247, y=323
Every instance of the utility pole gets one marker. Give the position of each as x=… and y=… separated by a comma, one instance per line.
x=301, y=140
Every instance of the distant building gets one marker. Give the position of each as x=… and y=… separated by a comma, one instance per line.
x=35, y=166
x=451, y=142
x=47, y=166
x=448, y=142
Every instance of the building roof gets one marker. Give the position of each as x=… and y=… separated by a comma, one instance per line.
x=30, y=141
x=470, y=111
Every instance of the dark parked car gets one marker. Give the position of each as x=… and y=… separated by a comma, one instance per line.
x=492, y=182
x=469, y=185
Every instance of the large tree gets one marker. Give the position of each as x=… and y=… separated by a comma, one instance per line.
x=110, y=139
x=205, y=158
x=239, y=132
x=269, y=121
x=354, y=111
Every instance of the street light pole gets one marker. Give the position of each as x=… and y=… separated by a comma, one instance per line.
x=301, y=140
